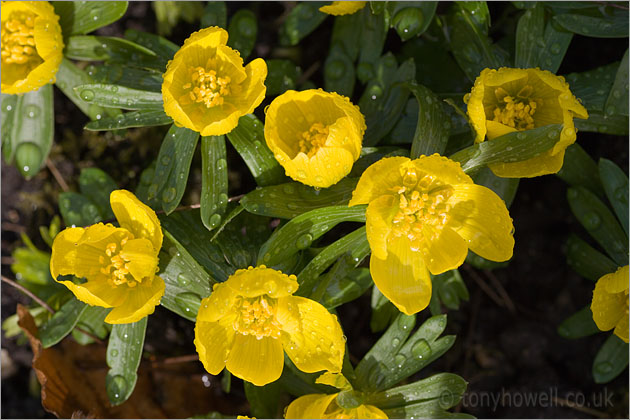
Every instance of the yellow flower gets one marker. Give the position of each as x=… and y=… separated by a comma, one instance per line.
x=339, y=8
x=610, y=303
x=32, y=46
x=342, y=405
x=507, y=100
x=315, y=135
x=119, y=263
x=207, y=89
x=249, y=319
x=423, y=216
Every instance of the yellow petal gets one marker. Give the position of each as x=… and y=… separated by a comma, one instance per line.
x=480, y=217
x=621, y=330
x=142, y=261
x=365, y=411
x=379, y=215
x=253, y=87
x=319, y=171
x=543, y=164
x=136, y=217
x=218, y=304
x=334, y=379
x=312, y=406
x=608, y=308
x=97, y=292
x=445, y=250
x=402, y=277
x=257, y=361
x=210, y=37
x=496, y=129
x=140, y=301
x=440, y=167
x=616, y=282
x=339, y=8
x=312, y=336
x=257, y=281
x=379, y=179
x=213, y=341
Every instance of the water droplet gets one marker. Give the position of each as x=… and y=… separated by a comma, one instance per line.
x=182, y=280
x=604, y=367
x=335, y=69
x=221, y=164
x=214, y=221
x=421, y=349
x=304, y=241
x=28, y=158
x=116, y=387
x=301, y=174
x=621, y=194
x=189, y=302
x=165, y=160
x=399, y=360
x=87, y=95
x=31, y=111
x=395, y=342
x=222, y=199
x=169, y=195
x=592, y=220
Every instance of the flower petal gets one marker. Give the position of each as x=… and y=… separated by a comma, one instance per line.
x=257, y=361
x=445, y=250
x=142, y=261
x=621, y=330
x=543, y=164
x=379, y=179
x=312, y=406
x=480, y=216
x=97, y=292
x=402, y=277
x=258, y=281
x=253, y=88
x=379, y=215
x=218, y=304
x=496, y=129
x=366, y=411
x=616, y=282
x=139, y=302
x=136, y=217
x=339, y=8
x=446, y=170
x=319, y=171
x=608, y=308
x=210, y=37
x=213, y=341
x=312, y=336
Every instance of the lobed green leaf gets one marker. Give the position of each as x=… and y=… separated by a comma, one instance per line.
x=615, y=183
x=617, y=102
x=77, y=18
x=579, y=169
x=611, y=360
x=124, y=351
x=145, y=118
x=282, y=76
x=578, y=325
x=61, y=323
x=432, y=127
x=586, y=260
x=303, y=19
x=243, y=29
x=214, y=180
x=116, y=96
x=614, y=25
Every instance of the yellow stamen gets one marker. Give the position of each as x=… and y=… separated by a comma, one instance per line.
x=516, y=112
x=313, y=139
x=207, y=87
x=18, y=39
x=257, y=317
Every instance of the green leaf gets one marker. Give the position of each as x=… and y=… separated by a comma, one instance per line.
x=186, y=281
x=350, y=244
x=78, y=210
x=592, y=87
x=214, y=14
x=611, y=360
x=472, y=48
x=96, y=185
x=599, y=123
x=383, y=311
x=537, y=44
x=385, y=97
x=579, y=169
x=511, y=147
x=172, y=167
x=300, y=232
x=61, y=323
x=263, y=400
x=294, y=198
x=411, y=18
x=159, y=45
x=503, y=187
x=443, y=389
x=615, y=183
x=346, y=289
x=249, y=141
x=9, y=105
x=116, y=96
x=617, y=102
x=70, y=76
x=32, y=264
x=116, y=50
x=600, y=223
x=243, y=29
x=448, y=289
x=613, y=26
x=578, y=325
x=586, y=260
x=301, y=21
x=432, y=127
x=33, y=129
x=92, y=320
x=373, y=32
x=214, y=182
x=282, y=76
x=76, y=18
x=119, y=74
x=339, y=74
x=346, y=34
x=146, y=118
x=124, y=351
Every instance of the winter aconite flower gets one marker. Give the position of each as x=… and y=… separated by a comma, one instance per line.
x=507, y=100
x=610, y=303
x=249, y=320
x=422, y=217
x=207, y=89
x=339, y=8
x=342, y=405
x=315, y=135
x=119, y=263
x=31, y=45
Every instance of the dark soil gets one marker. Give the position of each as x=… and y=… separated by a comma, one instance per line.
x=508, y=350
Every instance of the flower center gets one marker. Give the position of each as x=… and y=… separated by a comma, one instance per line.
x=313, y=139
x=18, y=42
x=516, y=112
x=207, y=87
x=256, y=317
x=422, y=203
x=117, y=269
